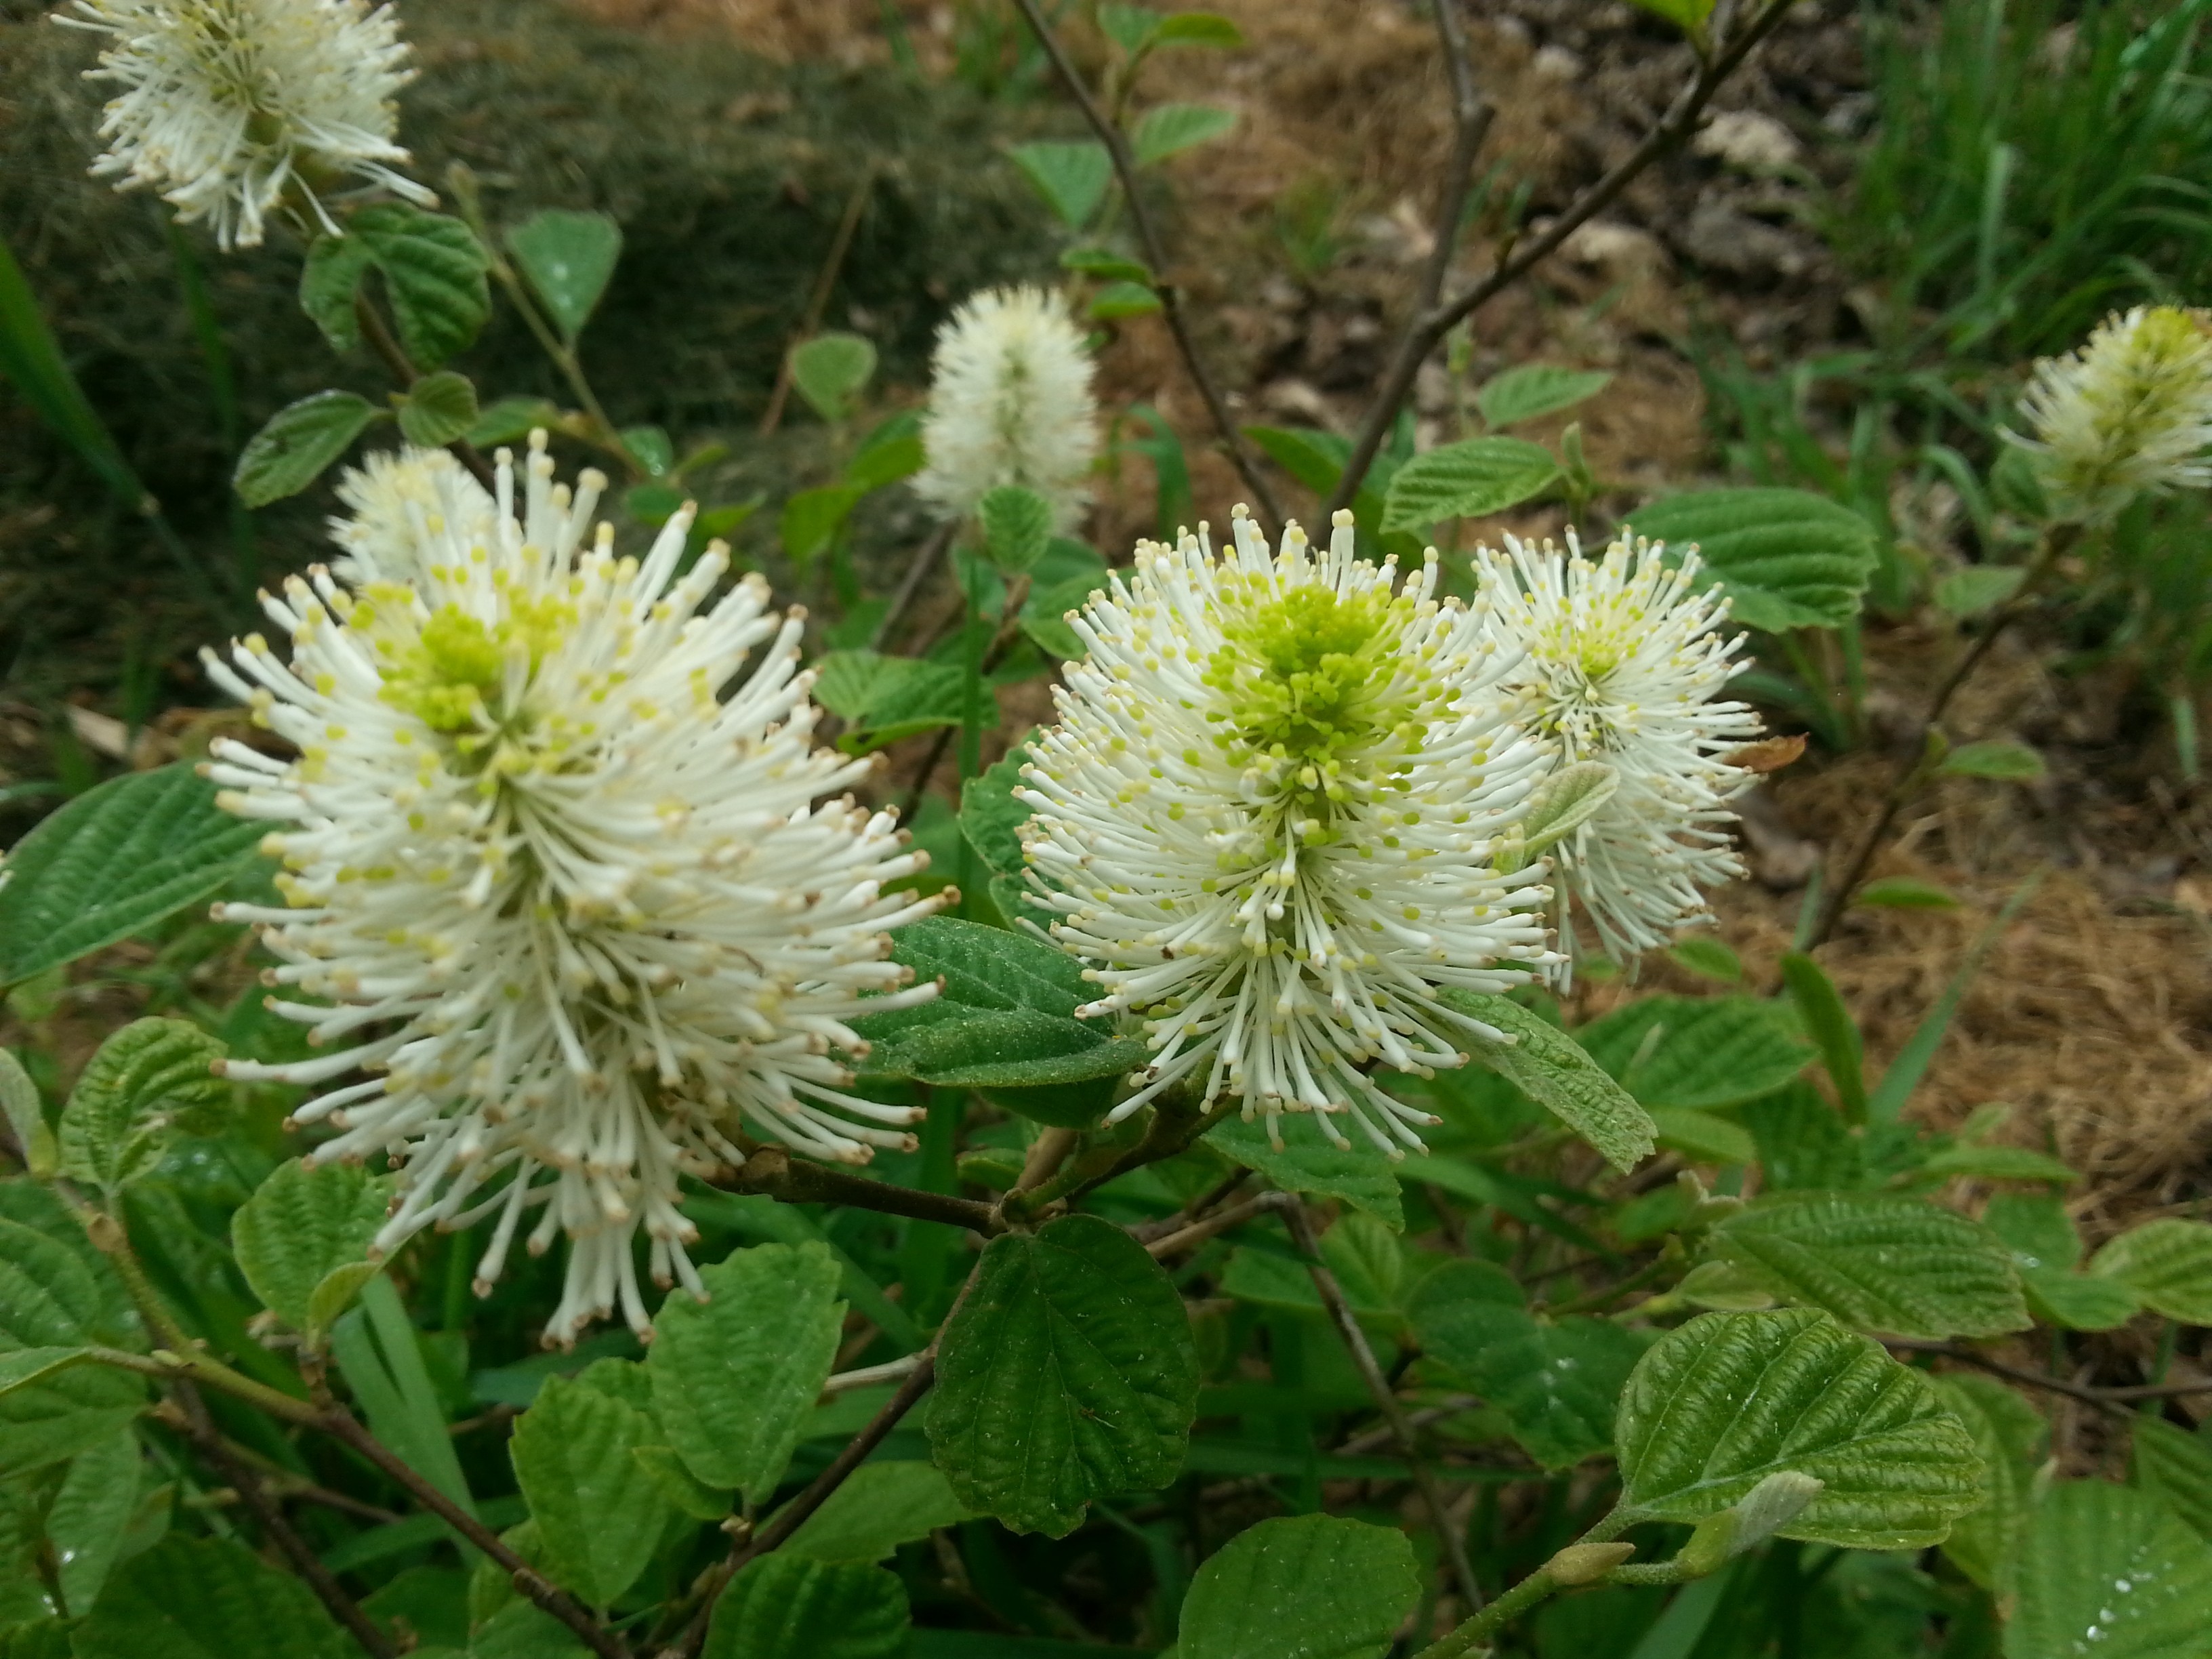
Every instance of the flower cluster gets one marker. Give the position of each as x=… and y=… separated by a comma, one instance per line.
x=1271, y=818
x=1010, y=403
x=389, y=500
x=561, y=879
x=2129, y=411
x=227, y=105
x=1617, y=660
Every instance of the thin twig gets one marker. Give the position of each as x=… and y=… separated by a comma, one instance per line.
x=1432, y=323
x=1236, y=1216
x=891, y=1370
x=2114, y=1397
x=247, y=1482
x=1911, y=773
x=1154, y=253
x=818, y=301
x=774, y=1171
x=1146, y=1231
x=1386, y=1400
x=343, y=1426
x=1471, y=117
x=1010, y=629
x=402, y=369
x=924, y=561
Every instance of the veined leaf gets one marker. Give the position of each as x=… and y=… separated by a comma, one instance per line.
x=2110, y=1571
x=299, y=441
x=433, y=276
x=302, y=1241
x=1554, y=1071
x=880, y=1506
x=1470, y=479
x=787, y=1607
x=438, y=409
x=600, y=1513
x=149, y=1080
x=1304, y=1586
x=207, y=1598
x=1701, y=1052
x=830, y=370
x=1536, y=389
x=569, y=258
x=1170, y=129
x=1071, y=176
x=1016, y=526
x=1309, y=1163
x=2167, y=1262
x=2011, y=1437
x=1787, y=557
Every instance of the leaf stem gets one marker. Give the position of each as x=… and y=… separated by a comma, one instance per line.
x=772, y=1171
x=401, y=368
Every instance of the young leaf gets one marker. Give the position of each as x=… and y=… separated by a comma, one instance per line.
x=568, y=257
x=2009, y=763
x=1976, y=588
x=1566, y=800
x=2045, y=1248
x=1107, y=266
x=880, y=1506
x=2110, y=1571
x=650, y=447
x=734, y=1377
x=302, y=1241
x=1304, y=1586
x=1071, y=176
x=1133, y=28
x=812, y=517
x=1016, y=526
x=1466, y=480
x=1198, y=28
x=992, y=818
x=1701, y=1052
x=89, y=1516
x=1730, y=1398
x=1707, y=1137
x=1534, y=389
x=433, y=274
x=1905, y=893
x=1880, y=1261
x=786, y=1606
x=1557, y=1383
x=1832, y=1029
x=438, y=409
x=1068, y=1373
x=299, y=441
x=1687, y=15
x=207, y=1598
x=1788, y=558
x=2178, y=1466
x=2167, y=1262
x=147, y=1081
x=510, y=420
x=1118, y=300
x=1309, y=1163
x=1554, y=1071
x=1170, y=129
x=2011, y=1437
x=328, y=280
x=1708, y=958
x=831, y=370
x=599, y=1514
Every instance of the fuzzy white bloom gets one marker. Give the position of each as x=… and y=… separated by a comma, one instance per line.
x=561, y=884
x=1271, y=818
x=227, y=103
x=389, y=498
x=1618, y=662
x=2129, y=411
x=1010, y=403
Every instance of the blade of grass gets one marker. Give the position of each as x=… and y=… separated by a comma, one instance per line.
x=1904, y=1073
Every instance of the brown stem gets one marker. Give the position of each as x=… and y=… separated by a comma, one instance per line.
x=402, y=369
x=2116, y=1398
x=774, y=1171
x=1471, y=118
x=245, y=1481
x=924, y=561
x=1154, y=253
x=1386, y=1400
x=1432, y=323
x=343, y=1426
x=1911, y=773
x=1146, y=1231
x=1236, y=1216
x=818, y=301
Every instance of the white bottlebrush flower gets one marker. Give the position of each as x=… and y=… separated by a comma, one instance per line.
x=394, y=500
x=1270, y=819
x=1010, y=403
x=2129, y=411
x=228, y=104
x=1619, y=662
x=562, y=880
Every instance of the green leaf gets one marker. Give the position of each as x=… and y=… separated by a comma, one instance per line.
x=1071, y=176
x=650, y=447
x=1997, y=1164
x=1016, y=526
x=568, y=257
x=148, y=1080
x=2168, y=1263
x=1369, y=1263
x=26, y=1118
x=1687, y=15
x=1534, y=389
x=1170, y=129
x=1708, y=958
x=207, y=1598
x=2011, y=1436
x=831, y=370
x=1068, y=1373
x=1554, y=1071
x=688, y=1494
x=1833, y=1030
x=880, y=1506
x=1566, y=800
x=24, y=1368
x=1466, y=480
x=1905, y=893
x=1118, y=300
x=2109, y=1571
x=438, y=409
x=1133, y=28
x=328, y=281
x=1198, y=28
x=1978, y=587
x=810, y=518
x=1304, y=1586
x=885, y=463
x=1788, y=558
x=786, y=1606
x=599, y=1514
x=1107, y=266
x=992, y=818
x=734, y=1377
x=1880, y=1261
x=433, y=276
x=89, y=1516
x=302, y=1241
x=1557, y=1382
x=2009, y=763
x=510, y=420
x=2178, y=1466
x=1705, y=1138
x=299, y=441
x=1307, y=1162
x=1700, y=1052
x=1730, y=1398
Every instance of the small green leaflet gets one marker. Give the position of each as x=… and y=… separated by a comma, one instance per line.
x=1170, y=129
x=147, y=1082
x=438, y=409
x=831, y=370
x=299, y=441
x=1071, y=176
x=1536, y=389
x=2110, y=1571
x=568, y=257
x=1554, y=1070
x=302, y=1240
x=1466, y=480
